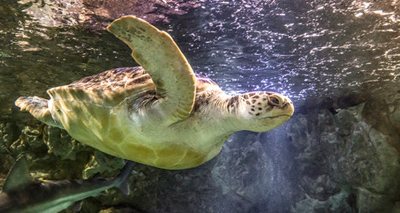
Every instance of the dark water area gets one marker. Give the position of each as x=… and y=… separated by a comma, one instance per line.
x=339, y=61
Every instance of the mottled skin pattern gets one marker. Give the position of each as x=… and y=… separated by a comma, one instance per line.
x=161, y=114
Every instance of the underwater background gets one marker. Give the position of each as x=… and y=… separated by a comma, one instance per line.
x=338, y=60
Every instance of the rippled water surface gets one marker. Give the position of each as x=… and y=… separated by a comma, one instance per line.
x=300, y=48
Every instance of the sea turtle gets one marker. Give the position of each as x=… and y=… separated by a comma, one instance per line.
x=161, y=113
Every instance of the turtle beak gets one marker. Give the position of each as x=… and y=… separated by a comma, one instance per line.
x=288, y=107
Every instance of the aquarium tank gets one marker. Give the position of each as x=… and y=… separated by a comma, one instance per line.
x=337, y=60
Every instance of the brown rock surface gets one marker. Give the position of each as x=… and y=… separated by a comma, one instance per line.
x=96, y=15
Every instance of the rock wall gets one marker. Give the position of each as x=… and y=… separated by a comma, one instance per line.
x=96, y=15
x=348, y=161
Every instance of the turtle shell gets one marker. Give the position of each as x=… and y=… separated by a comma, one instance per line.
x=92, y=111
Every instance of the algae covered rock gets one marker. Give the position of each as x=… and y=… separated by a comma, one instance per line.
x=96, y=15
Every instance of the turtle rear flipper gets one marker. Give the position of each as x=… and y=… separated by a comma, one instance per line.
x=158, y=54
x=39, y=108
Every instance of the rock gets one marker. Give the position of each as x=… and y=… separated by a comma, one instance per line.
x=96, y=15
x=62, y=145
x=336, y=203
x=395, y=114
x=120, y=210
x=352, y=153
x=374, y=201
x=8, y=134
x=242, y=173
x=101, y=163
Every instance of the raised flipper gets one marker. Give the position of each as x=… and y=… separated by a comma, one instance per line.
x=39, y=108
x=158, y=54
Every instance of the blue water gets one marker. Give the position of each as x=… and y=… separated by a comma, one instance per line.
x=304, y=49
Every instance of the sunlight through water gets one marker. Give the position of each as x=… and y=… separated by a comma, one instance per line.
x=299, y=48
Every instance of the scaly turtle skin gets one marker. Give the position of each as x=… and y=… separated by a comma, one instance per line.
x=160, y=114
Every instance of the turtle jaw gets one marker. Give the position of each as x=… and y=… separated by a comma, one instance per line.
x=271, y=123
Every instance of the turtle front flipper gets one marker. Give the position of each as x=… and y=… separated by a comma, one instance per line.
x=39, y=108
x=158, y=54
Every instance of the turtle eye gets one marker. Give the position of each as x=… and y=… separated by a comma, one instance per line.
x=274, y=100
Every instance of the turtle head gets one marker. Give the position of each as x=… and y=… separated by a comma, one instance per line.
x=263, y=111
